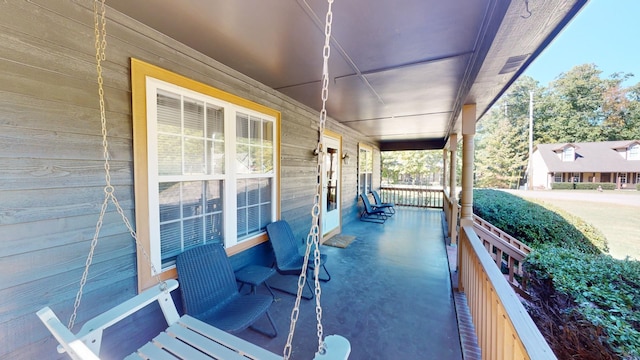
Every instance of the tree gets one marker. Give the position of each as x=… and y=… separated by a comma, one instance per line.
x=503, y=137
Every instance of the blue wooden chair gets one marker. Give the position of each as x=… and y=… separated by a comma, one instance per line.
x=389, y=207
x=210, y=293
x=370, y=213
x=289, y=261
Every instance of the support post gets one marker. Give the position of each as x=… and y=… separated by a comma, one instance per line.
x=468, y=133
x=453, y=224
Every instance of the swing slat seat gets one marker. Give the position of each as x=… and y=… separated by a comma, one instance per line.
x=185, y=337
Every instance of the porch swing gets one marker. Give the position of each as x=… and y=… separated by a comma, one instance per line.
x=185, y=336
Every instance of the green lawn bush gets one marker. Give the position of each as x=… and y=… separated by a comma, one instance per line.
x=594, y=186
x=562, y=186
x=534, y=224
x=606, y=291
x=583, y=186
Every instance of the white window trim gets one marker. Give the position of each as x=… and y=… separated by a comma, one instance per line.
x=369, y=151
x=634, y=152
x=230, y=176
x=141, y=71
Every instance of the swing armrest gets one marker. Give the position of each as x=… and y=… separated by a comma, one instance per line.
x=123, y=310
x=86, y=343
x=69, y=343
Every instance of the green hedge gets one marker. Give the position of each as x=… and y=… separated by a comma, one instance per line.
x=638, y=186
x=606, y=291
x=582, y=186
x=534, y=224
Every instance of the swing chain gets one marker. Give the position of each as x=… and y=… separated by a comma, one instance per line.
x=314, y=236
x=100, y=31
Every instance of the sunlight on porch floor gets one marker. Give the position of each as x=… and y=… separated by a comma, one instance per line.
x=390, y=294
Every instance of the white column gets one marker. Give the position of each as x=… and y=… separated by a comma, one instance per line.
x=468, y=133
x=453, y=223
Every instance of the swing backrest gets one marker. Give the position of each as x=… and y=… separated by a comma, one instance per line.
x=85, y=345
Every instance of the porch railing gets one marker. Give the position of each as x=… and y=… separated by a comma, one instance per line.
x=504, y=328
x=507, y=252
x=412, y=196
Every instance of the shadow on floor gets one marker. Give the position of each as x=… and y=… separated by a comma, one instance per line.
x=390, y=294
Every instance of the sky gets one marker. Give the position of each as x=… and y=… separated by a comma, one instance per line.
x=604, y=32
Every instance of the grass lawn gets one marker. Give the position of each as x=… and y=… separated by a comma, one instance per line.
x=619, y=223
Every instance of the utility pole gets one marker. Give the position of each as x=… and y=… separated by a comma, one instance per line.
x=530, y=171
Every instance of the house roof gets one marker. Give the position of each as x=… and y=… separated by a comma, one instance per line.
x=400, y=71
x=590, y=157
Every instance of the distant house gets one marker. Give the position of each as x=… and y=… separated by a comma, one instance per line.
x=616, y=162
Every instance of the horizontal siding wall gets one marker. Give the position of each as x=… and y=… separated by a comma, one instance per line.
x=51, y=171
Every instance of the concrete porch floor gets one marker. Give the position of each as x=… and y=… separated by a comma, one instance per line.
x=390, y=294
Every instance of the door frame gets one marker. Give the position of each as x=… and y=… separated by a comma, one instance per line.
x=338, y=229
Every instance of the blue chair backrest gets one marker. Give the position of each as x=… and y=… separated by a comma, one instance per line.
x=283, y=242
x=376, y=197
x=206, y=278
x=367, y=204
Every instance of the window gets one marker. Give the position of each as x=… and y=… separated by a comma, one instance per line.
x=206, y=168
x=623, y=178
x=634, y=152
x=575, y=177
x=365, y=169
x=568, y=154
x=557, y=177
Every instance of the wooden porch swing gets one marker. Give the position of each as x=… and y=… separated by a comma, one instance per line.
x=185, y=336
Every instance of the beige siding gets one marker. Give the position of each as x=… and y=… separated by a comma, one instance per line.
x=51, y=159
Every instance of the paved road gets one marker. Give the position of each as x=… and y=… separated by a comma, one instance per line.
x=631, y=198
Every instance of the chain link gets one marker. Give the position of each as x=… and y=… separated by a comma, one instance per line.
x=313, y=238
x=100, y=31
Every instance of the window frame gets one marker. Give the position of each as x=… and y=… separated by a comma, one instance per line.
x=568, y=154
x=634, y=152
x=140, y=72
x=557, y=176
x=367, y=150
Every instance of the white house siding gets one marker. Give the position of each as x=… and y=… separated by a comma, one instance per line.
x=541, y=178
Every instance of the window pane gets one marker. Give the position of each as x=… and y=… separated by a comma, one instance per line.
x=169, y=155
x=253, y=219
x=192, y=232
x=193, y=118
x=242, y=193
x=216, y=158
x=171, y=241
x=265, y=190
x=214, y=228
x=242, y=128
x=243, y=159
x=265, y=216
x=191, y=198
x=256, y=160
x=194, y=156
x=256, y=131
x=168, y=108
x=215, y=123
x=253, y=191
x=267, y=133
x=213, y=195
x=242, y=222
x=169, y=196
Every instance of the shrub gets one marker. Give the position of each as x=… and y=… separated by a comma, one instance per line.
x=534, y=224
x=638, y=186
x=605, y=291
x=594, y=186
x=563, y=186
x=583, y=186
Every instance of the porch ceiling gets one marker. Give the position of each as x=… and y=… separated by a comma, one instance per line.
x=400, y=70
